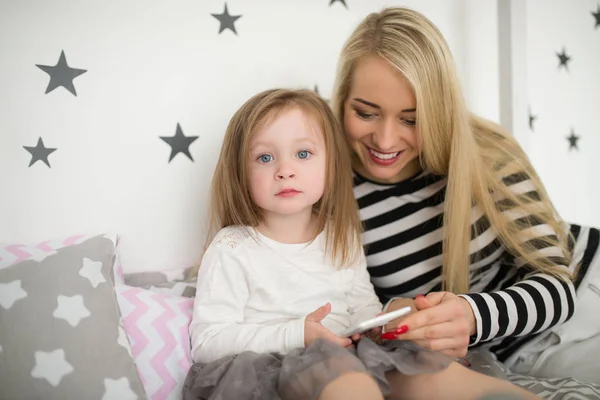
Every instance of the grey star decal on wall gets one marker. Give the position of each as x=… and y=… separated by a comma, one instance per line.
x=338, y=1
x=563, y=59
x=227, y=21
x=61, y=74
x=316, y=90
x=532, y=119
x=39, y=153
x=597, y=16
x=573, y=139
x=179, y=143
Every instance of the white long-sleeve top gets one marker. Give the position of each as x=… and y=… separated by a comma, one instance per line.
x=254, y=293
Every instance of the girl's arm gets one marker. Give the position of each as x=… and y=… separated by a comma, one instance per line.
x=364, y=303
x=217, y=329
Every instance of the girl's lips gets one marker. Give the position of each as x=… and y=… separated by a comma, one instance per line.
x=287, y=193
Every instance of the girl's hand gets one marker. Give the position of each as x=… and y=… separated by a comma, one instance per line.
x=313, y=329
x=444, y=322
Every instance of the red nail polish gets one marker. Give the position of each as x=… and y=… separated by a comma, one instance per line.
x=419, y=295
x=388, y=336
x=401, y=329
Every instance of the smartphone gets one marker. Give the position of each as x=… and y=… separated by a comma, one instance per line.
x=375, y=322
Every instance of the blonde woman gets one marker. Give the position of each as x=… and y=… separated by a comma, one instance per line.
x=284, y=274
x=457, y=223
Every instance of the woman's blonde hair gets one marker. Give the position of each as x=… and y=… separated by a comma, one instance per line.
x=231, y=204
x=477, y=156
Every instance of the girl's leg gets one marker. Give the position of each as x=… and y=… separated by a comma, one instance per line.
x=453, y=383
x=350, y=386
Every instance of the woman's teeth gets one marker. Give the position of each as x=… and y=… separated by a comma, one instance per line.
x=384, y=156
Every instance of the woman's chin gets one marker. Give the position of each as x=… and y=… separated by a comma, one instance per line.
x=387, y=175
x=393, y=173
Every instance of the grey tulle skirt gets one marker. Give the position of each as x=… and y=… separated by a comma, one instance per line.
x=304, y=372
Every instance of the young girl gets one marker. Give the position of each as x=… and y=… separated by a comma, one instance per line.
x=285, y=273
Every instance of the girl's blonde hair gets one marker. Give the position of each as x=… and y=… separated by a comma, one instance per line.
x=476, y=155
x=231, y=204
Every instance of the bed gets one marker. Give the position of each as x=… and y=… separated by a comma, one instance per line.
x=73, y=325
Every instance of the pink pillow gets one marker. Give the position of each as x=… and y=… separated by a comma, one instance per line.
x=157, y=326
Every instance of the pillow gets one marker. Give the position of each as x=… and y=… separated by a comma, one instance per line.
x=60, y=332
x=11, y=254
x=156, y=320
x=158, y=282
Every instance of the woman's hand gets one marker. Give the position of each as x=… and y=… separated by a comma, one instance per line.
x=374, y=334
x=397, y=304
x=444, y=322
x=313, y=329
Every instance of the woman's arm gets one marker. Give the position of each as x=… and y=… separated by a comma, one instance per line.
x=537, y=300
x=445, y=322
x=532, y=305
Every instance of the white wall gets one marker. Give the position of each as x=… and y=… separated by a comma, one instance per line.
x=563, y=101
x=152, y=65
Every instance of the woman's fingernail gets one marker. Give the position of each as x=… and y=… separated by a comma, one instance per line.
x=419, y=295
x=401, y=329
x=388, y=336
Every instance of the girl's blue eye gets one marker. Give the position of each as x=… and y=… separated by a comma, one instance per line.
x=265, y=158
x=303, y=154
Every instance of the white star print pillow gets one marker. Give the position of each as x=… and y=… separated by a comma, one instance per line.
x=60, y=330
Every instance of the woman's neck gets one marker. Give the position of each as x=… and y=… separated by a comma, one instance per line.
x=290, y=229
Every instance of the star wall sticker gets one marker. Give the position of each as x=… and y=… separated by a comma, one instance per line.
x=227, y=21
x=61, y=74
x=597, y=16
x=573, y=139
x=563, y=59
x=338, y=1
x=39, y=153
x=532, y=119
x=179, y=143
x=316, y=90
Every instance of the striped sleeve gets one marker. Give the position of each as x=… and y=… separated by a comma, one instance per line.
x=537, y=301
x=532, y=305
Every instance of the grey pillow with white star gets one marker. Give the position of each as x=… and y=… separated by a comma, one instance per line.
x=60, y=333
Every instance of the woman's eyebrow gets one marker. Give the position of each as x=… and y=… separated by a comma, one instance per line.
x=368, y=103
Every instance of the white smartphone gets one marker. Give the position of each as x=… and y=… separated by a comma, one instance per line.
x=375, y=322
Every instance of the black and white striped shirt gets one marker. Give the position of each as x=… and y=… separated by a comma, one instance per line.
x=403, y=243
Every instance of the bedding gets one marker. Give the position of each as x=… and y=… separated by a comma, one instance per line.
x=73, y=325
x=61, y=335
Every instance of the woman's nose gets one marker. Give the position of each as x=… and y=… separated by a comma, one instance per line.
x=387, y=135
